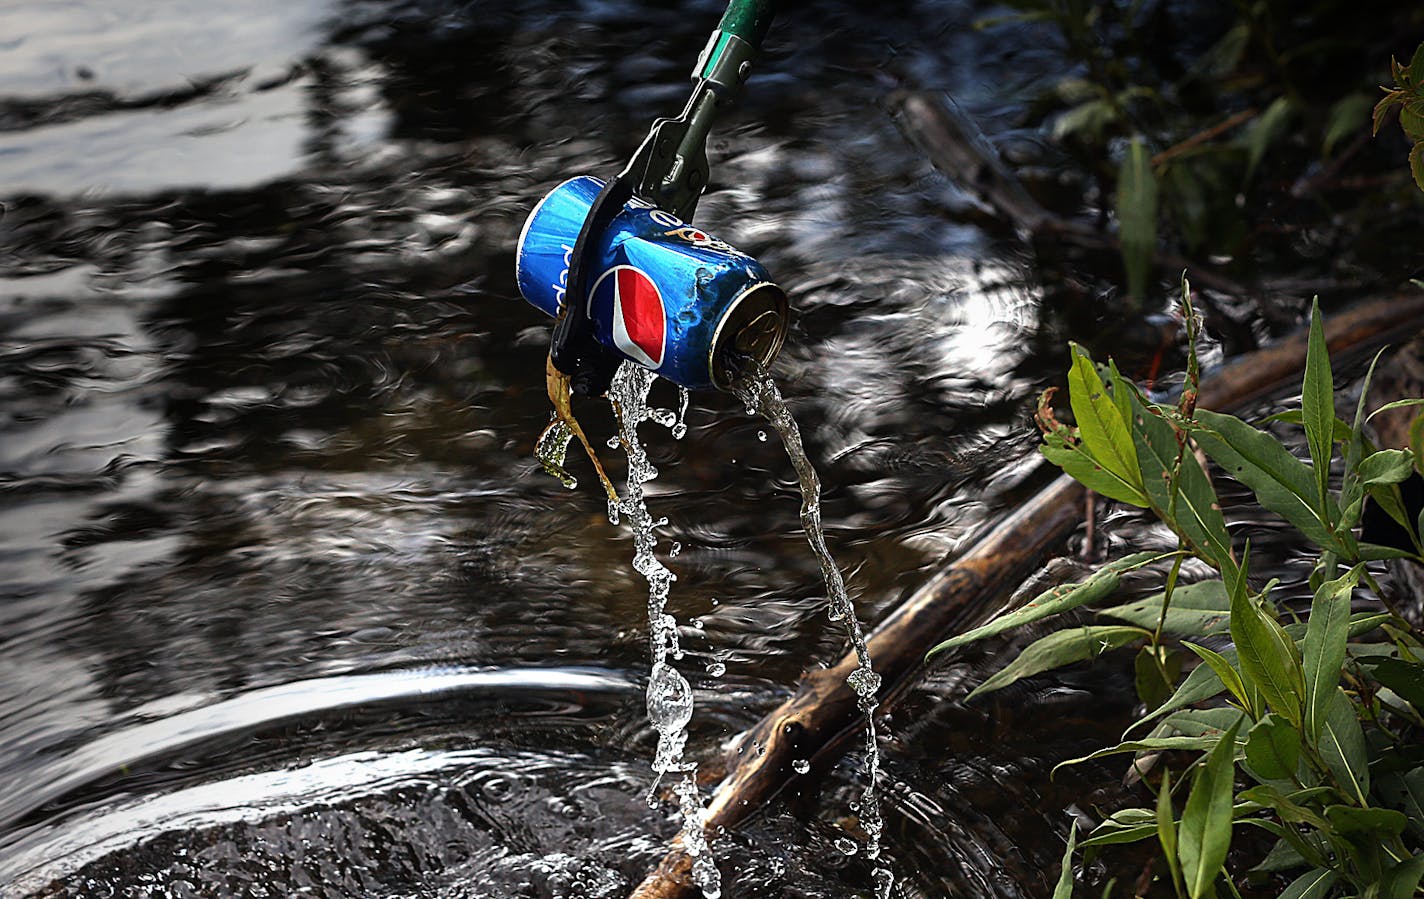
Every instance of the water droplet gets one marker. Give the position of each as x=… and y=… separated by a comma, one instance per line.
x=761, y=435
x=669, y=699
x=864, y=681
x=614, y=443
x=846, y=845
x=674, y=549
x=801, y=766
x=716, y=669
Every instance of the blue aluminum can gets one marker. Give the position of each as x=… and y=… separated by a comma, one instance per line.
x=662, y=293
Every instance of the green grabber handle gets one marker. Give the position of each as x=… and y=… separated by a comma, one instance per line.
x=670, y=168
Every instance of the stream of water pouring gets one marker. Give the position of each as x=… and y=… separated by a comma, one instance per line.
x=757, y=389
x=669, y=694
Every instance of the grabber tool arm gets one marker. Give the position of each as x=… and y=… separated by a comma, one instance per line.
x=668, y=170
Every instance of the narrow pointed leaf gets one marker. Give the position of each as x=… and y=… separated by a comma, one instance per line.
x=1167, y=827
x=1064, y=890
x=1342, y=745
x=1397, y=404
x=1179, y=743
x=1317, y=402
x=1100, y=423
x=1268, y=658
x=1197, y=610
x=1273, y=748
x=1324, y=653
x=1386, y=467
x=1379, y=823
x=1281, y=482
x=1402, y=677
x=1083, y=468
x=1137, y=215
x=1226, y=673
x=1194, y=509
x=1402, y=881
x=1102, y=584
x=1205, y=834
x=1201, y=684
x=1126, y=826
x=1061, y=648
x=1313, y=884
x=1264, y=131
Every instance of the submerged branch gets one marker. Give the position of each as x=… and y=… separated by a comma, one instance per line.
x=814, y=723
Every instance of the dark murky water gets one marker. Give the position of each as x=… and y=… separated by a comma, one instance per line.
x=286, y=606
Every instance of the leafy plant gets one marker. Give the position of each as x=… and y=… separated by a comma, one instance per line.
x=1305, y=730
x=1408, y=97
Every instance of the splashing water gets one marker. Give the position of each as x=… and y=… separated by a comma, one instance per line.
x=757, y=389
x=669, y=694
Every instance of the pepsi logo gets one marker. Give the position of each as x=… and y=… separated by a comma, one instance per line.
x=639, y=323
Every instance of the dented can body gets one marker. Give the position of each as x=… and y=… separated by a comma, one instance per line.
x=662, y=293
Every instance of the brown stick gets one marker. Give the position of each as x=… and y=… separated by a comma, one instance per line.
x=814, y=722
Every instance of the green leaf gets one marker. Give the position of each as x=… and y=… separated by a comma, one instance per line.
x=1103, y=583
x=1090, y=118
x=1137, y=215
x=1289, y=807
x=1390, y=100
x=1264, y=131
x=1281, y=482
x=1294, y=417
x=1397, y=404
x=1268, y=658
x=1061, y=648
x=1204, y=722
x=1380, y=823
x=1404, y=678
x=1201, y=684
x=1389, y=466
x=1416, y=164
x=1198, y=743
x=1167, y=826
x=1402, y=881
x=1317, y=403
x=1205, y=834
x=1083, y=468
x=1313, y=884
x=1349, y=115
x=1197, y=610
x=1416, y=65
x=1273, y=749
x=1101, y=425
x=1226, y=673
x=1194, y=511
x=1324, y=653
x=1342, y=745
x=1374, y=552
x=1404, y=791
x=1126, y=826
x=1064, y=890
x=1156, y=670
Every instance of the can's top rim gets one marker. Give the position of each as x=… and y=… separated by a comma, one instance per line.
x=755, y=326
